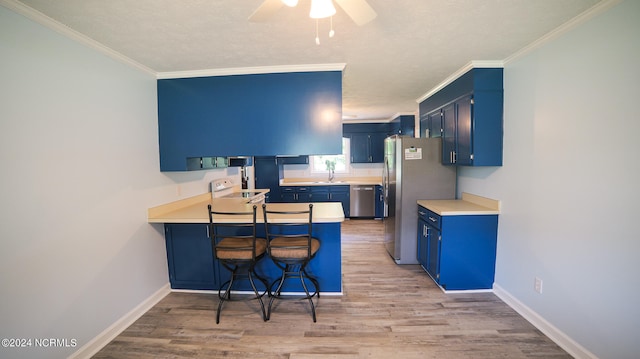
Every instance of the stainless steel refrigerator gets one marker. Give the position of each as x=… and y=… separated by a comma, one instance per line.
x=412, y=171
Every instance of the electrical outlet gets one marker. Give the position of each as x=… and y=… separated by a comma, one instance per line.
x=537, y=285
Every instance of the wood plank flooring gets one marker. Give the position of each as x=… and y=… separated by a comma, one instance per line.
x=387, y=311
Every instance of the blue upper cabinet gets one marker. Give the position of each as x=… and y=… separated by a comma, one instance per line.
x=404, y=125
x=367, y=140
x=468, y=114
x=249, y=115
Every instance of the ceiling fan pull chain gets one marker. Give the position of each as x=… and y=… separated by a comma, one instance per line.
x=331, y=32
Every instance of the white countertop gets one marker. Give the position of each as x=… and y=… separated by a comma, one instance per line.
x=470, y=204
x=194, y=210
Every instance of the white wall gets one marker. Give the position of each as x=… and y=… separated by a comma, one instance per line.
x=79, y=157
x=570, y=184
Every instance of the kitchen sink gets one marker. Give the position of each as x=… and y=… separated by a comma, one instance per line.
x=330, y=182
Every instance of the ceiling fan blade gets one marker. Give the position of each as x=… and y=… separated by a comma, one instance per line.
x=267, y=9
x=359, y=10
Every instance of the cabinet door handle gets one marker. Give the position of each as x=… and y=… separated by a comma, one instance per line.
x=421, y=213
x=432, y=219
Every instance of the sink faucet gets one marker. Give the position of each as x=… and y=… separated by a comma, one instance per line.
x=331, y=175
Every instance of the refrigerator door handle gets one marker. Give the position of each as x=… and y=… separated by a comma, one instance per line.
x=385, y=180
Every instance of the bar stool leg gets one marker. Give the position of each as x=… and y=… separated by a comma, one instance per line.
x=309, y=297
x=226, y=295
x=258, y=295
x=276, y=293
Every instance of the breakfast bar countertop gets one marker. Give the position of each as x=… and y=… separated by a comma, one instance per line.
x=470, y=204
x=194, y=210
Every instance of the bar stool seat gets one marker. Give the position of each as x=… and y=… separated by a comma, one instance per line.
x=240, y=248
x=237, y=248
x=291, y=247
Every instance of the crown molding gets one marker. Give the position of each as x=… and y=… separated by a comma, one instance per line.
x=252, y=70
x=557, y=32
x=66, y=31
x=471, y=65
x=398, y=114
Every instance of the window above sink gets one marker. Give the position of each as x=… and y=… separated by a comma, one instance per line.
x=342, y=163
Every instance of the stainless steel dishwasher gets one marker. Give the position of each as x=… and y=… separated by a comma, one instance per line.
x=362, y=201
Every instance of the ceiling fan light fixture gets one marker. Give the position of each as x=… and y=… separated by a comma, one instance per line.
x=290, y=3
x=321, y=9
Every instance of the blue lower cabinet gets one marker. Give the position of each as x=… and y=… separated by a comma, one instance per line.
x=458, y=251
x=192, y=265
x=332, y=193
x=190, y=257
x=295, y=194
x=379, y=202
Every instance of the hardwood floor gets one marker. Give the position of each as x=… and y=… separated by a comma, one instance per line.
x=387, y=311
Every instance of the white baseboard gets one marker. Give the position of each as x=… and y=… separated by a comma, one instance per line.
x=247, y=292
x=97, y=343
x=559, y=337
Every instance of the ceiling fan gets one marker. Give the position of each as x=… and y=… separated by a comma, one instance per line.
x=358, y=10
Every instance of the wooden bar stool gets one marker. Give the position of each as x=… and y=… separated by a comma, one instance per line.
x=235, y=246
x=291, y=246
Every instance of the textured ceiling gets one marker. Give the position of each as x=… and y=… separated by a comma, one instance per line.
x=410, y=47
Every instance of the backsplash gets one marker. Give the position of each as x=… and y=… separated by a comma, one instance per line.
x=355, y=170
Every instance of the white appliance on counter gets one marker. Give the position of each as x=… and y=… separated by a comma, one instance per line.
x=225, y=188
x=412, y=171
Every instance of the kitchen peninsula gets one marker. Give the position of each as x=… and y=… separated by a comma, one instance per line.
x=189, y=253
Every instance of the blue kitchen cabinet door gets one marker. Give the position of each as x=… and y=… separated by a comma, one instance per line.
x=267, y=176
x=249, y=115
x=431, y=124
x=379, y=202
x=428, y=252
x=448, y=134
x=377, y=147
x=338, y=193
x=190, y=257
x=457, y=146
x=359, y=146
x=319, y=194
x=423, y=247
x=433, y=243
